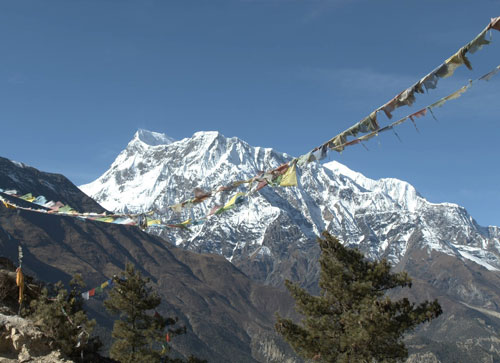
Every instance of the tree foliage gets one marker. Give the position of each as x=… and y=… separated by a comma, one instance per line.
x=59, y=314
x=352, y=320
x=139, y=333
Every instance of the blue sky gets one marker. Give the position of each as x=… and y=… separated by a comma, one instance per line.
x=78, y=78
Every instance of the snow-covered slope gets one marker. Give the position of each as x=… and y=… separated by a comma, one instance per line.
x=383, y=218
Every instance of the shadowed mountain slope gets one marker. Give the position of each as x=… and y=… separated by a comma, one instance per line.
x=229, y=317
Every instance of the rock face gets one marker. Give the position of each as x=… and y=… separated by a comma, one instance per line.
x=21, y=341
x=271, y=236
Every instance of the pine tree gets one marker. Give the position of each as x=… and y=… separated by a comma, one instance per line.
x=139, y=335
x=60, y=315
x=352, y=320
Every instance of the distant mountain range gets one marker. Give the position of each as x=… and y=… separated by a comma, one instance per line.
x=270, y=237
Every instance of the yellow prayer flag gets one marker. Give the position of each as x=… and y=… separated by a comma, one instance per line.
x=233, y=200
x=20, y=283
x=455, y=61
x=106, y=219
x=8, y=205
x=28, y=197
x=290, y=177
x=152, y=222
x=104, y=284
x=457, y=94
x=452, y=64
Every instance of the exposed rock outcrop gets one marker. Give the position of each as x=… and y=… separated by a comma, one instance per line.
x=21, y=341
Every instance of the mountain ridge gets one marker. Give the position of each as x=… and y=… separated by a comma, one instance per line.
x=209, y=159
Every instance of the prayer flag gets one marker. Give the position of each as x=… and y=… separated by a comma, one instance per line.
x=290, y=177
x=478, y=42
x=489, y=75
x=495, y=23
x=20, y=283
x=40, y=200
x=455, y=61
x=8, y=205
x=214, y=210
x=457, y=94
x=177, y=207
x=236, y=199
x=103, y=219
x=420, y=113
x=152, y=222
x=28, y=197
x=430, y=81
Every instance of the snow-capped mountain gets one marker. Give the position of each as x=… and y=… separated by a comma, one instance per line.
x=383, y=218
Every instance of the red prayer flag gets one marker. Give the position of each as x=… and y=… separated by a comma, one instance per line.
x=92, y=292
x=495, y=23
x=167, y=337
x=420, y=113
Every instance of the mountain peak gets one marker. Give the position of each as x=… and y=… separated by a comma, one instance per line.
x=152, y=138
x=206, y=134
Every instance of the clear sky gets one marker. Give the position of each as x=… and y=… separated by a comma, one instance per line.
x=78, y=78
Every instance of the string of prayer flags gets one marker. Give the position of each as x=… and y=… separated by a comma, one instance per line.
x=283, y=175
x=271, y=177
x=97, y=290
x=141, y=220
x=286, y=175
x=183, y=225
x=339, y=142
x=452, y=96
x=420, y=113
x=444, y=70
x=406, y=97
x=369, y=124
